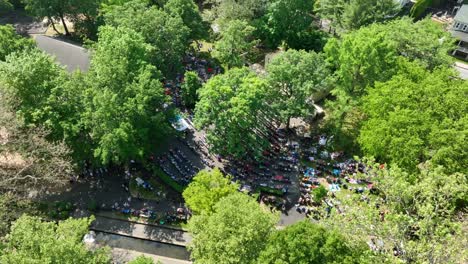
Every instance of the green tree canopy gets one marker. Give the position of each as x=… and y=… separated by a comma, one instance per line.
x=227, y=10
x=295, y=76
x=290, y=21
x=235, y=232
x=415, y=215
x=370, y=54
x=308, y=243
x=188, y=11
x=319, y=193
x=235, y=43
x=11, y=42
x=206, y=189
x=43, y=94
x=168, y=34
x=28, y=78
x=124, y=102
x=233, y=111
x=34, y=241
x=190, y=87
x=417, y=116
x=354, y=14
x=374, y=54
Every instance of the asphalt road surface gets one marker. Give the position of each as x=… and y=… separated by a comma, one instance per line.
x=71, y=56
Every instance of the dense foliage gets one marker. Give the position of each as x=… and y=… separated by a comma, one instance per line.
x=124, y=86
x=294, y=77
x=190, y=88
x=371, y=54
x=234, y=233
x=35, y=241
x=393, y=97
x=206, y=189
x=157, y=27
x=234, y=44
x=11, y=42
x=231, y=111
x=305, y=242
x=375, y=54
x=353, y=14
x=417, y=217
x=417, y=116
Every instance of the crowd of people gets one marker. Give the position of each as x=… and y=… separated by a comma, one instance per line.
x=332, y=171
x=203, y=67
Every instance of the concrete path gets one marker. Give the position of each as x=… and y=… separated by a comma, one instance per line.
x=141, y=231
x=120, y=255
x=124, y=249
x=462, y=68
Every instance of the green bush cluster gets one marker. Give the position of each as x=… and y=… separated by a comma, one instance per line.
x=61, y=210
x=166, y=179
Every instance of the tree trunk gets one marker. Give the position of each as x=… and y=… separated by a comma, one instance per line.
x=289, y=123
x=53, y=24
x=67, y=33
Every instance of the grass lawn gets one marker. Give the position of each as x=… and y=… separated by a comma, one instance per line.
x=157, y=194
x=206, y=46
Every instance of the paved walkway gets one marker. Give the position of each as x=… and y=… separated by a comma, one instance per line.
x=141, y=231
x=124, y=249
x=120, y=255
x=462, y=68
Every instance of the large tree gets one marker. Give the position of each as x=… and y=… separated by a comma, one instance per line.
x=354, y=14
x=417, y=116
x=188, y=11
x=190, y=87
x=370, y=54
x=233, y=111
x=124, y=104
x=168, y=34
x=28, y=161
x=11, y=42
x=236, y=41
x=227, y=10
x=206, y=189
x=33, y=241
x=308, y=243
x=235, y=232
x=295, y=76
x=42, y=93
x=373, y=54
x=290, y=22
x=28, y=79
x=416, y=217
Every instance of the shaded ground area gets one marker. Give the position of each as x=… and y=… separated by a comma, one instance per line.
x=24, y=23
x=187, y=156
x=107, y=190
x=142, y=231
x=125, y=249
